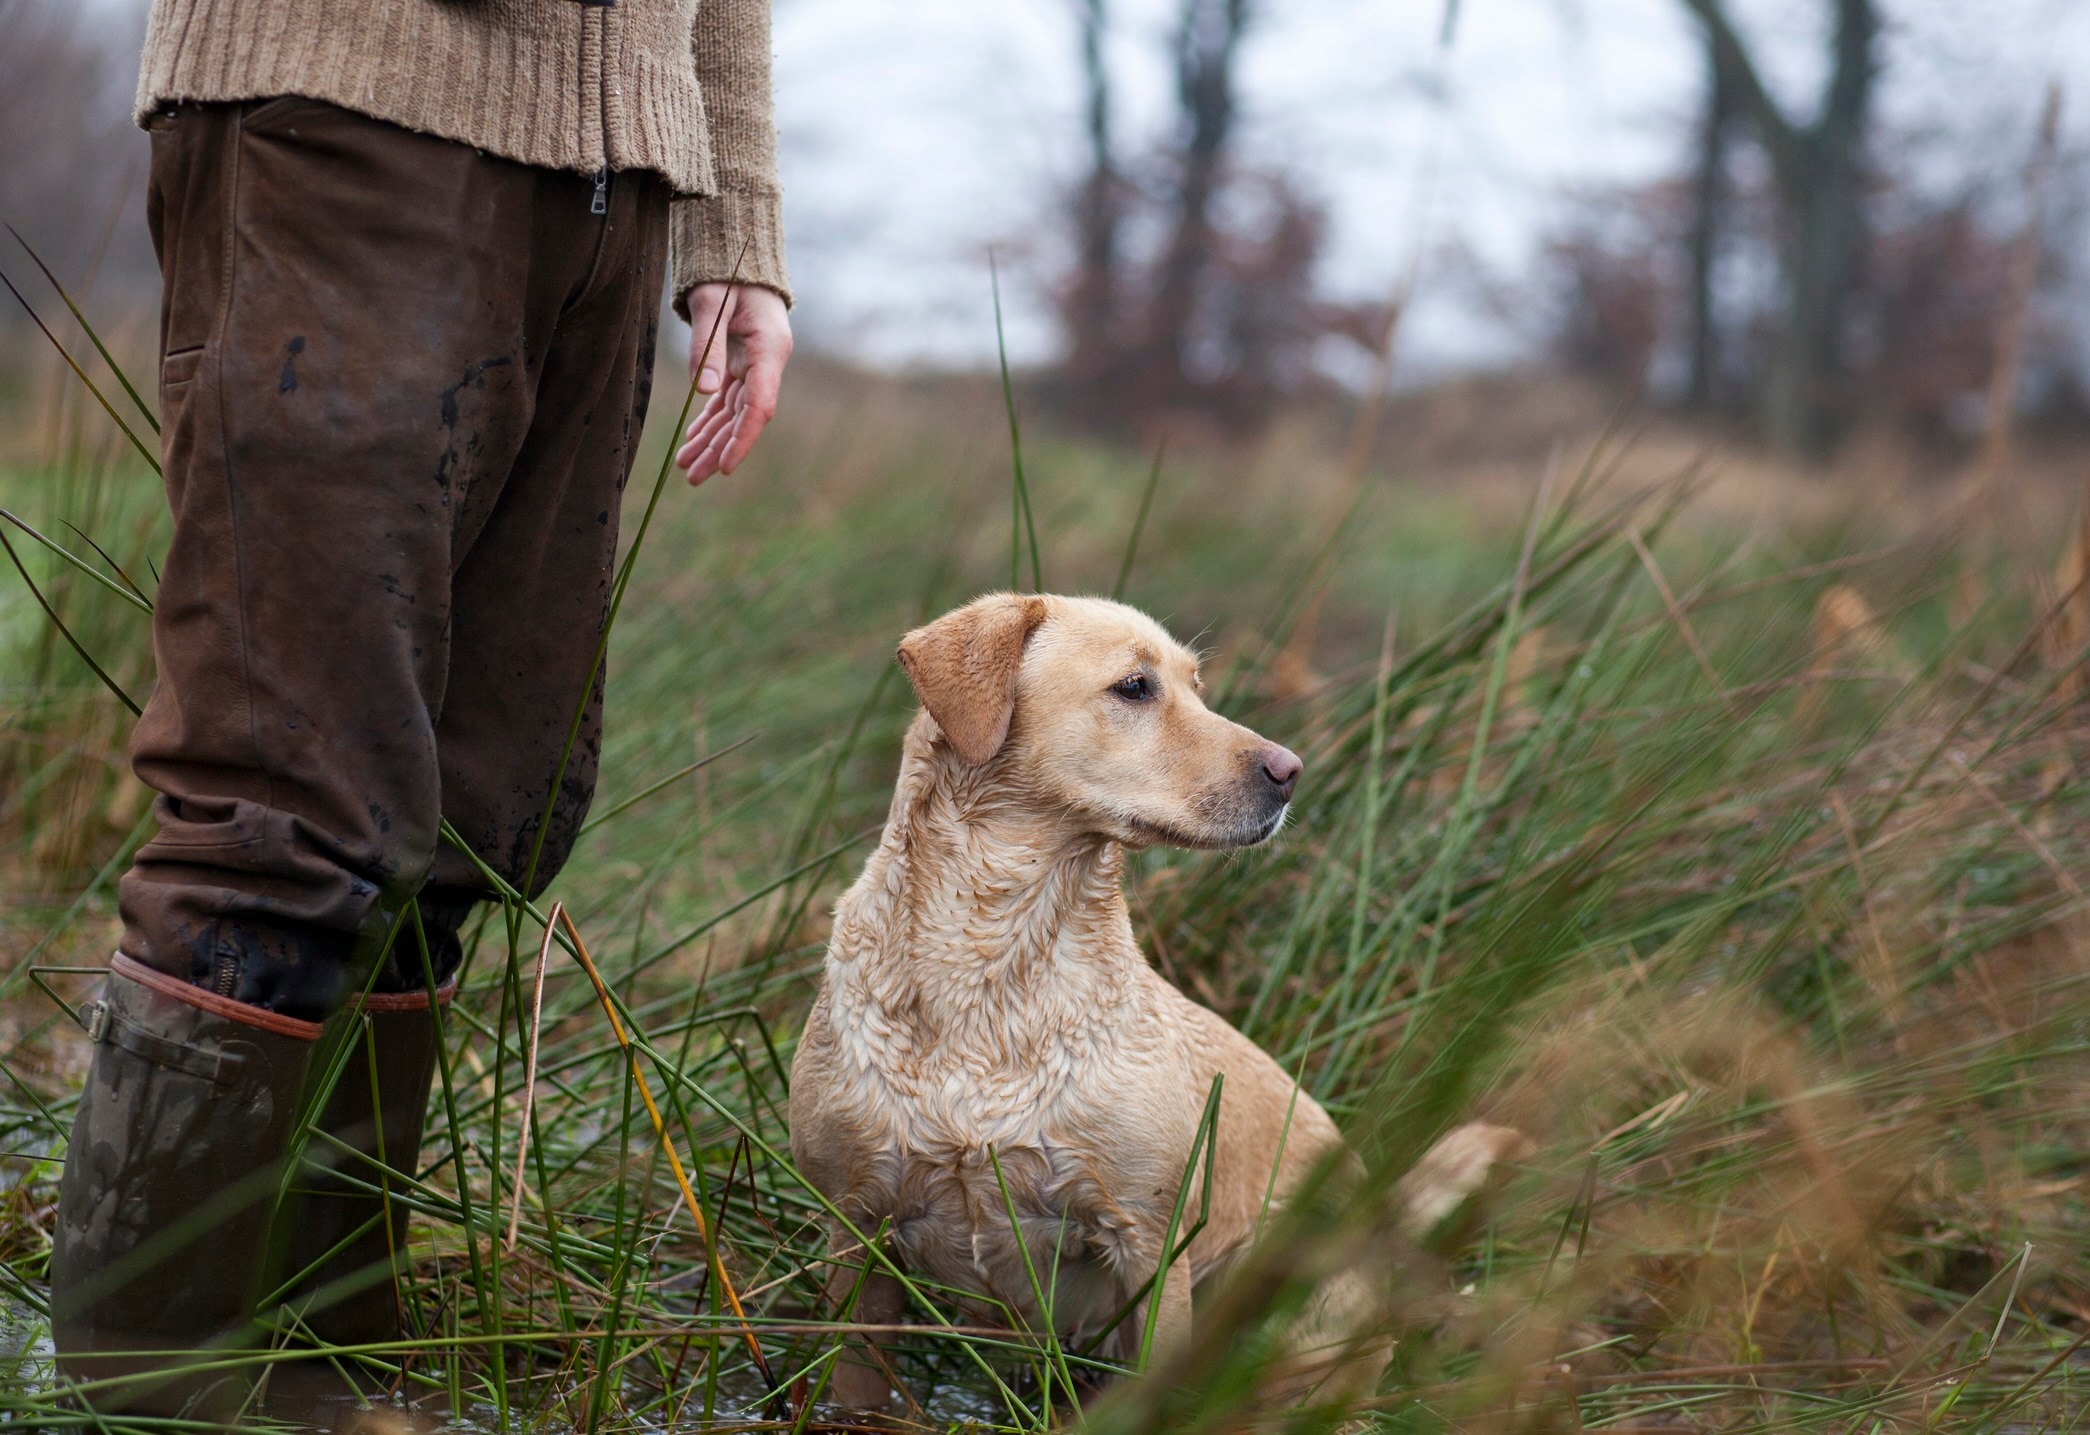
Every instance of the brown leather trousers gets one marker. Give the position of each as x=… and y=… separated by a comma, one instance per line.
x=401, y=386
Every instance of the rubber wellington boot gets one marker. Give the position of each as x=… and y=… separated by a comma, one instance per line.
x=176, y=1161
x=344, y=1221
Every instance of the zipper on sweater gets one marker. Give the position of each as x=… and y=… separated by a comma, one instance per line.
x=600, y=204
x=599, y=200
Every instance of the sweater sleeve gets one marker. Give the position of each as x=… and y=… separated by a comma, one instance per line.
x=743, y=221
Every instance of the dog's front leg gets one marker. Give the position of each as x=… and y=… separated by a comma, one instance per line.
x=863, y=1379
x=1171, y=1325
x=1172, y=1329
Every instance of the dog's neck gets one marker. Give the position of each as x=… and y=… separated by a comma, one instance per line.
x=979, y=907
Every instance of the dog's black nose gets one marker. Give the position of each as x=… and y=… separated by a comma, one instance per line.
x=1282, y=766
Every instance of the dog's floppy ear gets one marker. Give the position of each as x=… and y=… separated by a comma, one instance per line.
x=963, y=667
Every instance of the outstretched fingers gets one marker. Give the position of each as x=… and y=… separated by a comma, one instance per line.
x=740, y=341
x=755, y=407
x=705, y=442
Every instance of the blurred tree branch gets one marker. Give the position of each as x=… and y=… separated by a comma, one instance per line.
x=1208, y=39
x=1818, y=171
x=1708, y=200
x=1191, y=292
x=1736, y=72
x=1094, y=320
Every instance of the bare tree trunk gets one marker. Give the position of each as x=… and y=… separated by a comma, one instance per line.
x=1208, y=39
x=1825, y=229
x=1093, y=307
x=2012, y=322
x=1818, y=171
x=1708, y=195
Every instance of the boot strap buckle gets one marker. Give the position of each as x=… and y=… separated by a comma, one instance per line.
x=215, y=1065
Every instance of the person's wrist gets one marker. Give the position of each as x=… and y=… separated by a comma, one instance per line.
x=742, y=286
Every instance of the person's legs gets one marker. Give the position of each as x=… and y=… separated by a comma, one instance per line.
x=347, y=330
x=357, y=326
x=528, y=605
x=531, y=598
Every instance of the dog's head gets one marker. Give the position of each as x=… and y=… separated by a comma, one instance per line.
x=1096, y=714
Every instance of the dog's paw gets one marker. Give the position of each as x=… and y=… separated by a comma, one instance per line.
x=1453, y=1171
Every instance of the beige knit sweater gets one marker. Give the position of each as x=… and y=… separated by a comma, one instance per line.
x=676, y=86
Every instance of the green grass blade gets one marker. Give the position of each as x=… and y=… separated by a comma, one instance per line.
x=108, y=408
x=1021, y=519
x=115, y=368
x=1139, y=524
x=86, y=657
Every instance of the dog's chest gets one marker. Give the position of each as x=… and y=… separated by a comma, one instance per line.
x=973, y=1052
x=1010, y=1074
x=993, y=1219
x=974, y=1121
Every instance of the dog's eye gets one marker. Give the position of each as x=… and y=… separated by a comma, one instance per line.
x=1135, y=689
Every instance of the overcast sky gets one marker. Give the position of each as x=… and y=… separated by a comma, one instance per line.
x=917, y=133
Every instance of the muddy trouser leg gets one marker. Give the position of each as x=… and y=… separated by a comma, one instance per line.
x=522, y=669
x=378, y=351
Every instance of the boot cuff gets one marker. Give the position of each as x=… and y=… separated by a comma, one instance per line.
x=376, y=1002
x=131, y=969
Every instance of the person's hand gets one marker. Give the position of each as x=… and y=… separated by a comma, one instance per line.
x=741, y=373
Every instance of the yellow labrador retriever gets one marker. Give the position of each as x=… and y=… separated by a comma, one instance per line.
x=984, y=992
